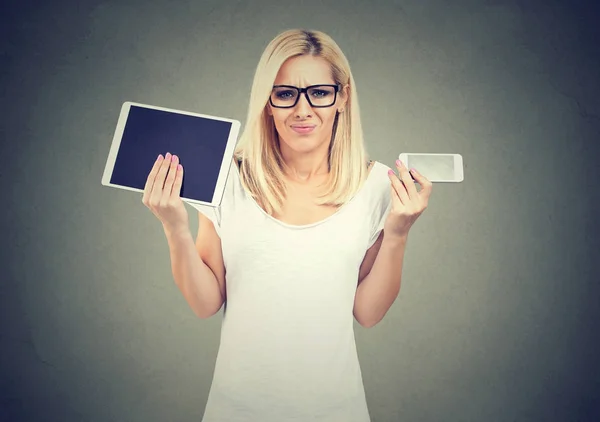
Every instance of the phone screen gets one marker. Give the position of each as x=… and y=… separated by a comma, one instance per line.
x=433, y=167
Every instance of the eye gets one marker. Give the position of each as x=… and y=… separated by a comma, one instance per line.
x=321, y=92
x=285, y=94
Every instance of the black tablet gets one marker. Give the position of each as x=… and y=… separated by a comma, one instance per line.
x=203, y=143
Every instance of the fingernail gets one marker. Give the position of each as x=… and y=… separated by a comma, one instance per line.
x=413, y=170
x=168, y=155
x=398, y=163
x=173, y=158
x=390, y=172
x=159, y=157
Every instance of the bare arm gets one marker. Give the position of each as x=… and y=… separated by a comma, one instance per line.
x=193, y=276
x=198, y=269
x=380, y=274
x=380, y=279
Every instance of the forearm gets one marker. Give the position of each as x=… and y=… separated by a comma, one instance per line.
x=379, y=289
x=194, y=278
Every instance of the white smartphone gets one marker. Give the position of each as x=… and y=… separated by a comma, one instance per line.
x=444, y=168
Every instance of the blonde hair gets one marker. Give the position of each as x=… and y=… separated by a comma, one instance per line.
x=262, y=166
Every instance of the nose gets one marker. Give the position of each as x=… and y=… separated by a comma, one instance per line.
x=303, y=107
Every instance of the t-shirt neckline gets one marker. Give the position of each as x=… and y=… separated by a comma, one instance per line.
x=304, y=226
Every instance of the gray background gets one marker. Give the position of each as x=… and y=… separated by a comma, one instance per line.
x=498, y=312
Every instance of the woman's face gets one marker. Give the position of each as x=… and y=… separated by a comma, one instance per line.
x=303, y=128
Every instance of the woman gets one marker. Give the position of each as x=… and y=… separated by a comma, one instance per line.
x=309, y=233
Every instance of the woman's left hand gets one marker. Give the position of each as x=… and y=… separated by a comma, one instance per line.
x=407, y=203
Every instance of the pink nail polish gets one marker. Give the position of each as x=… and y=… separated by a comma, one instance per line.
x=173, y=158
x=398, y=163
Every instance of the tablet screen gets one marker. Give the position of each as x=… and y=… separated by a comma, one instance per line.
x=200, y=143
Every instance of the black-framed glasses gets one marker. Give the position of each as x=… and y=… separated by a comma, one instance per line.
x=287, y=96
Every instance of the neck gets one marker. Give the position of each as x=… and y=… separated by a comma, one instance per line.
x=306, y=168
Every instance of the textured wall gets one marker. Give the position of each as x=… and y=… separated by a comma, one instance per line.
x=497, y=317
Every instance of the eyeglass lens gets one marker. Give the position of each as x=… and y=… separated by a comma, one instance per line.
x=320, y=96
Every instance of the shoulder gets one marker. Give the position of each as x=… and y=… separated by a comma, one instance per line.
x=379, y=185
x=378, y=166
x=378, y=174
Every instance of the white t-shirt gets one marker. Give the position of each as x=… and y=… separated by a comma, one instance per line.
x=287, y=350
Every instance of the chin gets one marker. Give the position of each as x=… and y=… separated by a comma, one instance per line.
x=303, y=143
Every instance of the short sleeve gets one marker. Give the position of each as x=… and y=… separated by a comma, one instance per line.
x=381, y=200
x=215, y=214
x=212, y=213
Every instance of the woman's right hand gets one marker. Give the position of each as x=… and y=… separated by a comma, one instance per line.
x=161, y=193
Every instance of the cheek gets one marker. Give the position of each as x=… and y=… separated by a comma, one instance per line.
x=280, y=119
x=328, y=120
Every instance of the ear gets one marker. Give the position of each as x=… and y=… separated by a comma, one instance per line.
x=269, y=109
x=343, y=98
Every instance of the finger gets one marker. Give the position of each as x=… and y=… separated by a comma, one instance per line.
x=176, y=190
x=170, y=178
x=150, y=180
x=396, y=202
x=411, y=189
x=399, y=188
x=426, y=185
x=159, y=181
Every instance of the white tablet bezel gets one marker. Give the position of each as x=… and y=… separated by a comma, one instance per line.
x=224, y=168
x=458, y=165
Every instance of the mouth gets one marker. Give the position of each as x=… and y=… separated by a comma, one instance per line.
x=303, y=128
